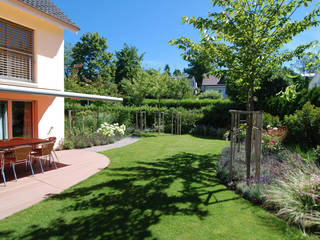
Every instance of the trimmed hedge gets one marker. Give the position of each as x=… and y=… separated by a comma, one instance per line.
x=304, y=126
x=127, y=115
x=186, y=103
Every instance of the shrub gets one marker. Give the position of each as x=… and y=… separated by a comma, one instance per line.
x=270, y=121
x=304, y=126
x=317, y=153
x=111, y=130
x=296, y=197
x=218, y=115
x=272, y=140
x=81, y=141
x=208, y=131
x=210, y=95
x=68, y=143
x=252, y=191
x=187, y=103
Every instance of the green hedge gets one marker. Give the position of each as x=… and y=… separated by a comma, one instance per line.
x=185, y=103
x=304, y=126
x=94, y=116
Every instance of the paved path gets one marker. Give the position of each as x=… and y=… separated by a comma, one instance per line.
x=74, y=166
x=123, y=142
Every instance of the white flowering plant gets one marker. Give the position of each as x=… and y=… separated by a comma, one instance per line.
x=110, y=130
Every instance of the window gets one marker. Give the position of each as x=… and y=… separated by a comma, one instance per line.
x=16, y=52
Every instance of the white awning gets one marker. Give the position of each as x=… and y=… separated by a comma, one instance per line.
x=44, y=92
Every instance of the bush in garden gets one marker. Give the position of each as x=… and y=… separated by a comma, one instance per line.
x=111, y=130
x=270, y=121
x=317, y=153
x=252, y=191
x=296, y=196
x=81, y=141
x=304, y=126
x=208, y=131
x=272, y=140
x=68, y=143
x=210, y=95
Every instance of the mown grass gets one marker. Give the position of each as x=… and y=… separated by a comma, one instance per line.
x=161, y=187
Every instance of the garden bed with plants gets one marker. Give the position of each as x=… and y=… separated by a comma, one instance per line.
x=290, y=174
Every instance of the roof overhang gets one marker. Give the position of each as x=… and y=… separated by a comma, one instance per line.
x=53, y=93
x=42, y=15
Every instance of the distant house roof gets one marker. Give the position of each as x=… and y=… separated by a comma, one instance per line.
x=49, y=8
x=212, y=81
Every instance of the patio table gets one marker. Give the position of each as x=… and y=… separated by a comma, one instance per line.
x=32, y=141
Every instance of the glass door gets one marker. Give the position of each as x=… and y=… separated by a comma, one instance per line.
x=3, y=120
x=22, y=119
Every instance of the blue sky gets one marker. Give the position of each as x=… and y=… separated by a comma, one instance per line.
x=146, y=24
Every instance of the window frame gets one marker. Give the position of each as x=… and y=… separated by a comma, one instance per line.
x=17, y=48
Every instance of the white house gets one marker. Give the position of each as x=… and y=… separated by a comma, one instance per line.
x=32, y=69
x=214, y=83
x=315, y=81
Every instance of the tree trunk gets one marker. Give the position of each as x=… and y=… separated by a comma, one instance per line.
x=250, y=107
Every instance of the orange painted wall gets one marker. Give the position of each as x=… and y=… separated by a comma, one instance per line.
x=41, y=104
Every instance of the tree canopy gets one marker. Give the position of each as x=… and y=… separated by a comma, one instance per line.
x=91, y=54
x=128, y=63
x=245, y=39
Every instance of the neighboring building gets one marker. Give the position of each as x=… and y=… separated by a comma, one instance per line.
x=315, y=81
x=214, y=83
x=192, y=82
x=32, y=69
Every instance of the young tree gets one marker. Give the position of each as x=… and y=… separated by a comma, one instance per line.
x=91, y=53
x=245, y=39
x=128, y=63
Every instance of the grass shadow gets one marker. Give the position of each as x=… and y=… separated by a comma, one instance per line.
x=132, y=199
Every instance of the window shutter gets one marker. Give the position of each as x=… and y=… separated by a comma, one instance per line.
x=16, y=51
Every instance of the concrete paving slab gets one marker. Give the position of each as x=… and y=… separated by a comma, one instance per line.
x=74, y=167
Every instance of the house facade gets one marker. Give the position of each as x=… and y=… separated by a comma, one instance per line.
x=315, y=81
x=32, y=60
x=211, y=82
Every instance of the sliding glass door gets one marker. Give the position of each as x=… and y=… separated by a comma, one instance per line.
x=3, y=120
x=22, y=119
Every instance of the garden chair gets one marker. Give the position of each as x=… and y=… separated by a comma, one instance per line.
x=54, y=139
x=19, y=155
x=43, y=153
x=2, y=163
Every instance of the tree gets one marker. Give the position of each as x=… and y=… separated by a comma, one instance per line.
x=177, y=72
x=198, y=65
x=178, y=88
x=96, y=63
x=68, y=59
x=137, y=87
x=128, y=63
x=245, y=39
x=167, y=69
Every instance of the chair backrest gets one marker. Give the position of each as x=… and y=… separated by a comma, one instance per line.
x=1, y=158
x=22, y=152
x=52, y=139
x=47, y=148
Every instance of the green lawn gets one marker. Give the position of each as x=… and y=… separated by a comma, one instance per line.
x=158, y=188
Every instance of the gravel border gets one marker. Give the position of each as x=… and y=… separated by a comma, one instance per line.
x=121, y=143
